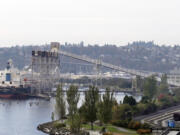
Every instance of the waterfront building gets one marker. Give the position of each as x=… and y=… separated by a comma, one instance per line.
x=174, y=77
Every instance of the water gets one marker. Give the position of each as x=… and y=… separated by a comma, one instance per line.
x=22, y=117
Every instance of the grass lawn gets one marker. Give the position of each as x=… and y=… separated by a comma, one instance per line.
x=111, y=128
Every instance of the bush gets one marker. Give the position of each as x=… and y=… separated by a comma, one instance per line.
x=120, y=123
x=146, y=108
x=130, y=125
x=136, y=125
x=145, y=126
x=165, y=101
x=129, y=100
x=103, y=130
x=59, y=125
x=143, y=131
x=122, y=112
x=108, y=133
x=75, y=126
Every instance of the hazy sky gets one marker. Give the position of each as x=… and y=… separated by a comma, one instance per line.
x=118, y=22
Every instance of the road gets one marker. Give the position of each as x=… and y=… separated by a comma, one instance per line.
x=160, y=118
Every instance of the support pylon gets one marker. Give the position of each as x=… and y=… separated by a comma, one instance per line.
x=134, y=83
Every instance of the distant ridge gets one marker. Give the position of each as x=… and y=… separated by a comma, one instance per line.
x=137, y=55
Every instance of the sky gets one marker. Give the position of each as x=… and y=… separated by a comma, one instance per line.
x=25, y=22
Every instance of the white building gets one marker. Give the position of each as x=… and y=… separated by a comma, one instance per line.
x=174, y=77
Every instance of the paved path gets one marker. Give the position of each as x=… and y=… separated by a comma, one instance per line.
x=94, y=132
x=173, y=133
x=123, y=129
x=119, y=128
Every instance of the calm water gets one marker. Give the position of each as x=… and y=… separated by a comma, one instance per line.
x=22, y=117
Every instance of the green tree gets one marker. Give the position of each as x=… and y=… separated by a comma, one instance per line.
x=122, y=112
x=52, y=116
x=91, y=99
x=75, y=126
x=139, y=82
x=129, y=100
x=146, y=108
x=164, y=79
x=72, y=100
x=163, y=87
x=60, y=103
x=105, y=105
x=177, y=94
x=144, y=100
x=150, y=87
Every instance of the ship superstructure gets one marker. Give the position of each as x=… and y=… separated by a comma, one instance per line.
x=10, y=76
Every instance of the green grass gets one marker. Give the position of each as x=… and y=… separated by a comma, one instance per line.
x=110, y=128
x=115, y=130
x=88, y=127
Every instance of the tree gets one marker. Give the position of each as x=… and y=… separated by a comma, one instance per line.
x=163, y=87
x=105, y=105
x=72, y=100
x=129, y=100
x=75, y=126
x=91, y=99
x=122, y=114
x=139, y=82
x=150, y=87
x=60, y=103
x=146, y=108
x=144, y=100
x=177, y=93
x=52, y=116
x=165, y=100
x=164, y=79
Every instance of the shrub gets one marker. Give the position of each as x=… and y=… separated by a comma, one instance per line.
x=136, y=125
x=120, y=123
x=146, y=108
x=143, y=131
x=165, y=101
x=107, y=133
x=59, y=125
x=103, y=130
x=145, y=126
x=129, y=100
x=130, y=125
x=122, y=112
x=75, y=126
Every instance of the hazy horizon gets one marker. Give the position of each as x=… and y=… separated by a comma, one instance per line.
x=117, y=22
x=85, y=44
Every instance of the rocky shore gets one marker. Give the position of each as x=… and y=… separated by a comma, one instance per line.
x=57, y=128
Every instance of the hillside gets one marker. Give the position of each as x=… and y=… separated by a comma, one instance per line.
x=137, y=55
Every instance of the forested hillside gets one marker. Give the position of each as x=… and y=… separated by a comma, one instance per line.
x=137, y=55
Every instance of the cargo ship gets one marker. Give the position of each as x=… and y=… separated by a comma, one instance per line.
x=35, y=80
x=15, y=93
x=11, y=83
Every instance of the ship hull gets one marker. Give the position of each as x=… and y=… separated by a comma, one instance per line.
x=14, y=93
